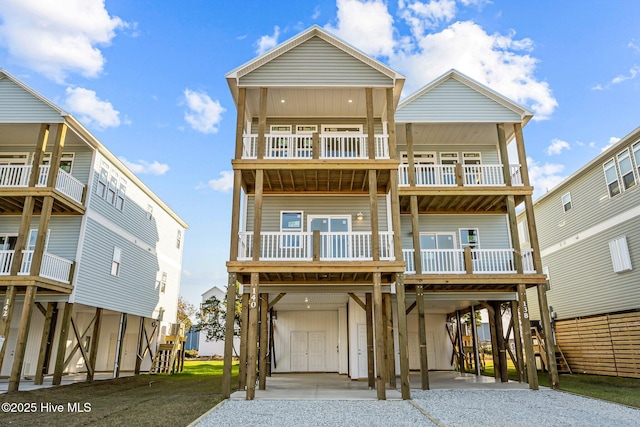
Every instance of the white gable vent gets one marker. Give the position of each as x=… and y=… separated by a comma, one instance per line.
x=620, y=254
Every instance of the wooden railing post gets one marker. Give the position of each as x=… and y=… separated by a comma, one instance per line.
x=468, y=260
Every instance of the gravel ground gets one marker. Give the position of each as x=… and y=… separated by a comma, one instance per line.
x=443, y=408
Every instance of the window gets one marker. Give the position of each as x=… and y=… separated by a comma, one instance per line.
x=471, y=158
x=636, y=155
x=448, y=158
x=611, y=175
x=290, y=223
x=111, y=186
x=341, y=128
x=469, y=237
x=13, y=159
x=282, y=129
x=163, y=283
x=620, y=254
x=149, y=212
x=179, y=239
x=306, y=129
x=626, y=170
x=33, y=236
x=115, y=263
x=566, y=202
x=122, y=190
x=103, y=180
x=66, y=161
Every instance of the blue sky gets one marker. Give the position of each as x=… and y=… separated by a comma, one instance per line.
x=147, y=78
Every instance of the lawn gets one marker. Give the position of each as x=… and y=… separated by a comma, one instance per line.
x=143, y=400
x=614, y=389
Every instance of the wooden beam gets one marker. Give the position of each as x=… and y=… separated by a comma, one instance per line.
x=54, y=162
x=40, y=367
x=415, y=234
x=240, y=121
x=411, y=166
x=391, y=353
x=274, y=301
x=40, y=308
x=494, y=343
x=517, y=338
x=122, y=332
x=370, y=359
x=244, y=334
x=23, y=335
x=550, y=347
x=422, y=338
x=358, y=301
x=95, y=342
x=43, y=228
x=476, y=341
x=523, y=310
x=504, y=154
x=502, y=355
x=373, y=208
x=264, y=341
x=62, y=343
x=379, y=332
x=370, y=123
x=395, y=216
x=23, y=234
x=411, y=307
x=403, y=342
x=391, y=123
x=252, y=344
x=228, y=336
x=140, y=344
x=257, y=215
x=235, y=215
x=5, y=318
x=262, y=123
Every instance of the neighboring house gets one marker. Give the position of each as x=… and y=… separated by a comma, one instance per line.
x=89, y=255
x=345, y=200
x=589, y=233
x=214, y=348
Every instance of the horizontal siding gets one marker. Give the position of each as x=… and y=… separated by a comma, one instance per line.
x=582, y=279
x=315, y=63
x=63, y=235
x=492, y=229
x=19, y=106
x=318, y=205
x=453, y=101
x=133, y=291
x=489, y=154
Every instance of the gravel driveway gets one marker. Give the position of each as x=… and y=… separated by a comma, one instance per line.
x=428, y=408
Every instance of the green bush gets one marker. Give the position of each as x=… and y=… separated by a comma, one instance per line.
x=191, y=354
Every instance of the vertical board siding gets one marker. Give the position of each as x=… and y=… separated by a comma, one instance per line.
x=315, y=63
x=453, y=101
x=607, y=344
x=435, y=327
x=20, y=106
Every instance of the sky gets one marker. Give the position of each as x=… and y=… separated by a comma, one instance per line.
x=147, y=79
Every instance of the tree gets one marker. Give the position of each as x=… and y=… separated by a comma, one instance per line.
x=185, y=311
x=212, y=318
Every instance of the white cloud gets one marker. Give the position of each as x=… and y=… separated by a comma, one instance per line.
x=90, y=109
x=612, y=141
x=265, y=43
x=544, y=177
x=366, y=25
x=59, y=37
x=557, y=146
x=633, y=73
x=420, y=16
x=316, y=13
x=144, y=167
x=224, y=183
x=204, y=114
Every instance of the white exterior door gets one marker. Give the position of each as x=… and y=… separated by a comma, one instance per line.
x=8, y=355
x=317, y=352
x=414, y=352
x=363, y=366
x=299, y=352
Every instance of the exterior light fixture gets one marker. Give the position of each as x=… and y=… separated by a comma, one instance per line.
x=306, y=299
x=359, y=216
x=282, y=100
x=350, y=101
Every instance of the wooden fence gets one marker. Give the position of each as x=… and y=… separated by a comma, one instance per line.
x=607, y=344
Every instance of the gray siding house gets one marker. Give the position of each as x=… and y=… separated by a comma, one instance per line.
x=90, y=258
x=589, y=233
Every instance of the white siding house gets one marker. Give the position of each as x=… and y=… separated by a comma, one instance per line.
x=89, y=253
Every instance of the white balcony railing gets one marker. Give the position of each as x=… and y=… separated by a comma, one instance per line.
x=334, y=246
x=451, y=261
x=18, y=176
x=332, y=146
x=52, y=267
x=445, y=175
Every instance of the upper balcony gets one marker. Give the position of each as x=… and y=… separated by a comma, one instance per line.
x=14, y=185
x=458, y=175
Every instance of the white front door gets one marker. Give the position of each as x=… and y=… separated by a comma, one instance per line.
x=9, y=351
x=317, y=352
x=363, y=366
x=308, y=352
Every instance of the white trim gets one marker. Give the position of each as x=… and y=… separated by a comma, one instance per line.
x=479, y=157
x=341, y=129
x=440, y=233
x=457, y=158
x=306, y=132
x=430, y=158
x=15, y=153
x=472, y=245
x=287, y=129
x=626, y=152
x=592, y=231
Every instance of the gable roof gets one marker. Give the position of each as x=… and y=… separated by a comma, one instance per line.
x=491, y=103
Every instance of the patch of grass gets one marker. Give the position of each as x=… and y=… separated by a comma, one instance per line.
x=143, y=400
x=621, y=390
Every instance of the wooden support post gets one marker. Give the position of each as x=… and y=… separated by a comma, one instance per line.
x=476, y=341
x=523, y=310
x=415, y=233
x=43, y=227
x=252, y=343
x=550, y=347
x=271, y=359
x=504, y=154
x=370, y=360
x=385, y=339
x=391, y=354
x=244, y=334
x=5, y=319
x=517, y=338
x=379, y=330
x=422, y=336
x=235, y=216
x=395, y=216
x=23, y=234
x=95, y=342
x=468, y=260
x=54, y=162
x=373, y=208
x=23, y=335
x=370, y=124
x=502, y=350
x=139, y=351
x=403, y=342
x=411, y=166
x=262, y=122
x=240, y=120
x=459, y=175
x=228, y=336
x=257, y=214
x=316, y=245
x=40, y=367
x=62, y=343
x=122, y=332
x=264, y=341
x=494, y=343
x=461, y=356
x=315, y=146
x=391, y=124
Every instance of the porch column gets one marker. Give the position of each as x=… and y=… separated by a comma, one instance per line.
x=244, y=333
x=370, y=359
x=461, y=355
x=242, y=102
x=41, y=240
x=252, y=344
x=262, y=123
x=257, y=214
x=264, y=352
x=391, y=354
x=44, y=344
x=235, y=215
x=228, y=336
x=495, y=351
x=373, y=208
x=403, y=342
x=122, y=332
x=415, y=234
x=23, y=335
x=371, y=146
x=139, y=357
x=476, y=341
x=5, y=318
x=517, y=338
x=523, y=310
x=380, y=328
x=422, y=333
x=62, y=343
x=504, y=154
x=95, y=341
x=502, y=351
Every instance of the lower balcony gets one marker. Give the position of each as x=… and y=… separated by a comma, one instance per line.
x=478, y=261
x=53, y=267
x=12, y=176
x=315, y=246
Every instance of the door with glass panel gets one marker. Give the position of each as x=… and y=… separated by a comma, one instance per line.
x=7, y=249
x=438, y=253
x=334, y=235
